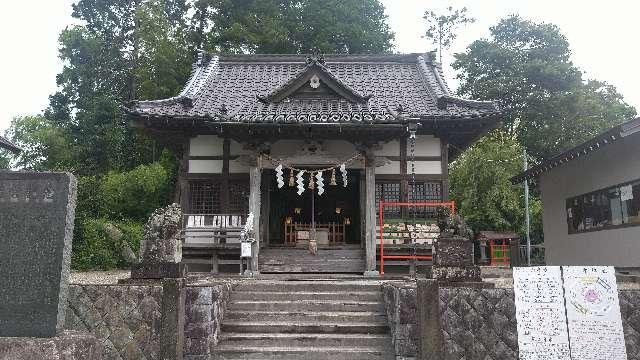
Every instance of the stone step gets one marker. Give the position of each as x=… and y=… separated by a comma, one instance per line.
x=307, y=286
x=307, y=305
x=300, y=327
x=305, y=340
x=295, y=316
x=307, y=295
x=307, y=353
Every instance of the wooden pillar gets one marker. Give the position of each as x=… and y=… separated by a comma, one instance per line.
x=254, y=208
x=370, y=214
x=444, y=161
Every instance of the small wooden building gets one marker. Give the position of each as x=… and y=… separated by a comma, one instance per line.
x=387, y=118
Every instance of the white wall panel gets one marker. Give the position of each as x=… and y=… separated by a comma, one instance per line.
x=205, y=166
x=426, y=145
x=206, y=145
x=426, y=167
x=391, y=168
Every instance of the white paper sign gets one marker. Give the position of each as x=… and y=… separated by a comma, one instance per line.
x=245, y=249
x=593, y=313
x=626, y=193
x=540, y=313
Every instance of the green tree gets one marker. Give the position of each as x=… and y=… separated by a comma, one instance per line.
x=480, y=185
x=441, y=27
x=44, y=145
x=293, y=26
x=525, y=67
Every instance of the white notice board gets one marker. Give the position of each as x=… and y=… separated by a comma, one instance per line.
x=540, y=313
x=593, y=313
x=245, y=249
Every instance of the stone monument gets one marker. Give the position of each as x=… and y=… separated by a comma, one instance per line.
x=161, y=247
x=37, y=212
x=453, y=260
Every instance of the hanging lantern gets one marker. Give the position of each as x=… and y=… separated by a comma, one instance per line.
x=312, y=184
x=292, y=182
x=333, y=177
x=279, y=178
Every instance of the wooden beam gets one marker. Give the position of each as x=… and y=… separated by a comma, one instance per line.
x=444, y=151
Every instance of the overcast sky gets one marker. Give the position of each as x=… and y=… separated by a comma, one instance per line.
x=603, y=37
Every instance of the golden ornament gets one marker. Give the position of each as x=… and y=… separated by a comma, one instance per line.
x=333, y=177
x=292, y=181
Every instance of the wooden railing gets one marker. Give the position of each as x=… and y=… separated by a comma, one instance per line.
x=335, y=232
x=202, y=229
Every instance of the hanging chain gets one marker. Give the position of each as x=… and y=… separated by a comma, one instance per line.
x=412, y=142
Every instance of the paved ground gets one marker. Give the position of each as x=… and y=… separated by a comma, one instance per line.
x=499, y=276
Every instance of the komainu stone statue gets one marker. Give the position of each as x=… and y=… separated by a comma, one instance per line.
x=161, y=242
x=453, y=258
x=161, y=246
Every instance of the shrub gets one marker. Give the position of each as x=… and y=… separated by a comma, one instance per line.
x=95, y=247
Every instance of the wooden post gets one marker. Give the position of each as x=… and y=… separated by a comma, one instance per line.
x=254, y=208
x=370, y=214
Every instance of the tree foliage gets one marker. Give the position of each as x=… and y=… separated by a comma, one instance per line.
x=526, y=68
x=548, y=108
x=441, y=27
x=143, y=49
x=480, y=185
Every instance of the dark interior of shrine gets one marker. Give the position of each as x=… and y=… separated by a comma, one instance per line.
x=338, y=205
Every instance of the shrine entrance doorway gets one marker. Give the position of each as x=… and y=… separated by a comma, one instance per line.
x=336, y=214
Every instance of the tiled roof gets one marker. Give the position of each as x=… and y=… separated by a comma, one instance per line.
x=6, y=144
x=361, y=88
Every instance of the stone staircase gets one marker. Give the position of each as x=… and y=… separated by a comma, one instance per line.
x=305, y=320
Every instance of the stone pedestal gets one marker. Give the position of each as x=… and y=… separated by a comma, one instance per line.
x=453, y=260
x=69, y=345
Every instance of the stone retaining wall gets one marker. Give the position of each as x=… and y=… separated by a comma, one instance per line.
x=125, y=318
x=480, y=323
x=204, y=312
x=400, y=303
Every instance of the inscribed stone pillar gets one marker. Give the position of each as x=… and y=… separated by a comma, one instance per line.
x=370, y=214
x=254, y=208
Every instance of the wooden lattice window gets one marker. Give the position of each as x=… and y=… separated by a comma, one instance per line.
x=424, y=192
x=388, y=191
x=204, y=197
x=239, y=197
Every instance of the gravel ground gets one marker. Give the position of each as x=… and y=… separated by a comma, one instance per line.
x=98, y=277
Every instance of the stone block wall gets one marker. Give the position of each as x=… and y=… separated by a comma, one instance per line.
x=204, y=312
x=400, y=303
x=480, y=323
x=125, y=318
x=630, y=310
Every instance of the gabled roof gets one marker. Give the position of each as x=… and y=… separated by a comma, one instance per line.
x=263, y=88
x=612, y=135
x=6, y=144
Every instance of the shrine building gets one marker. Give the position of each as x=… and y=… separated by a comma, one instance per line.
x=309, y=145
